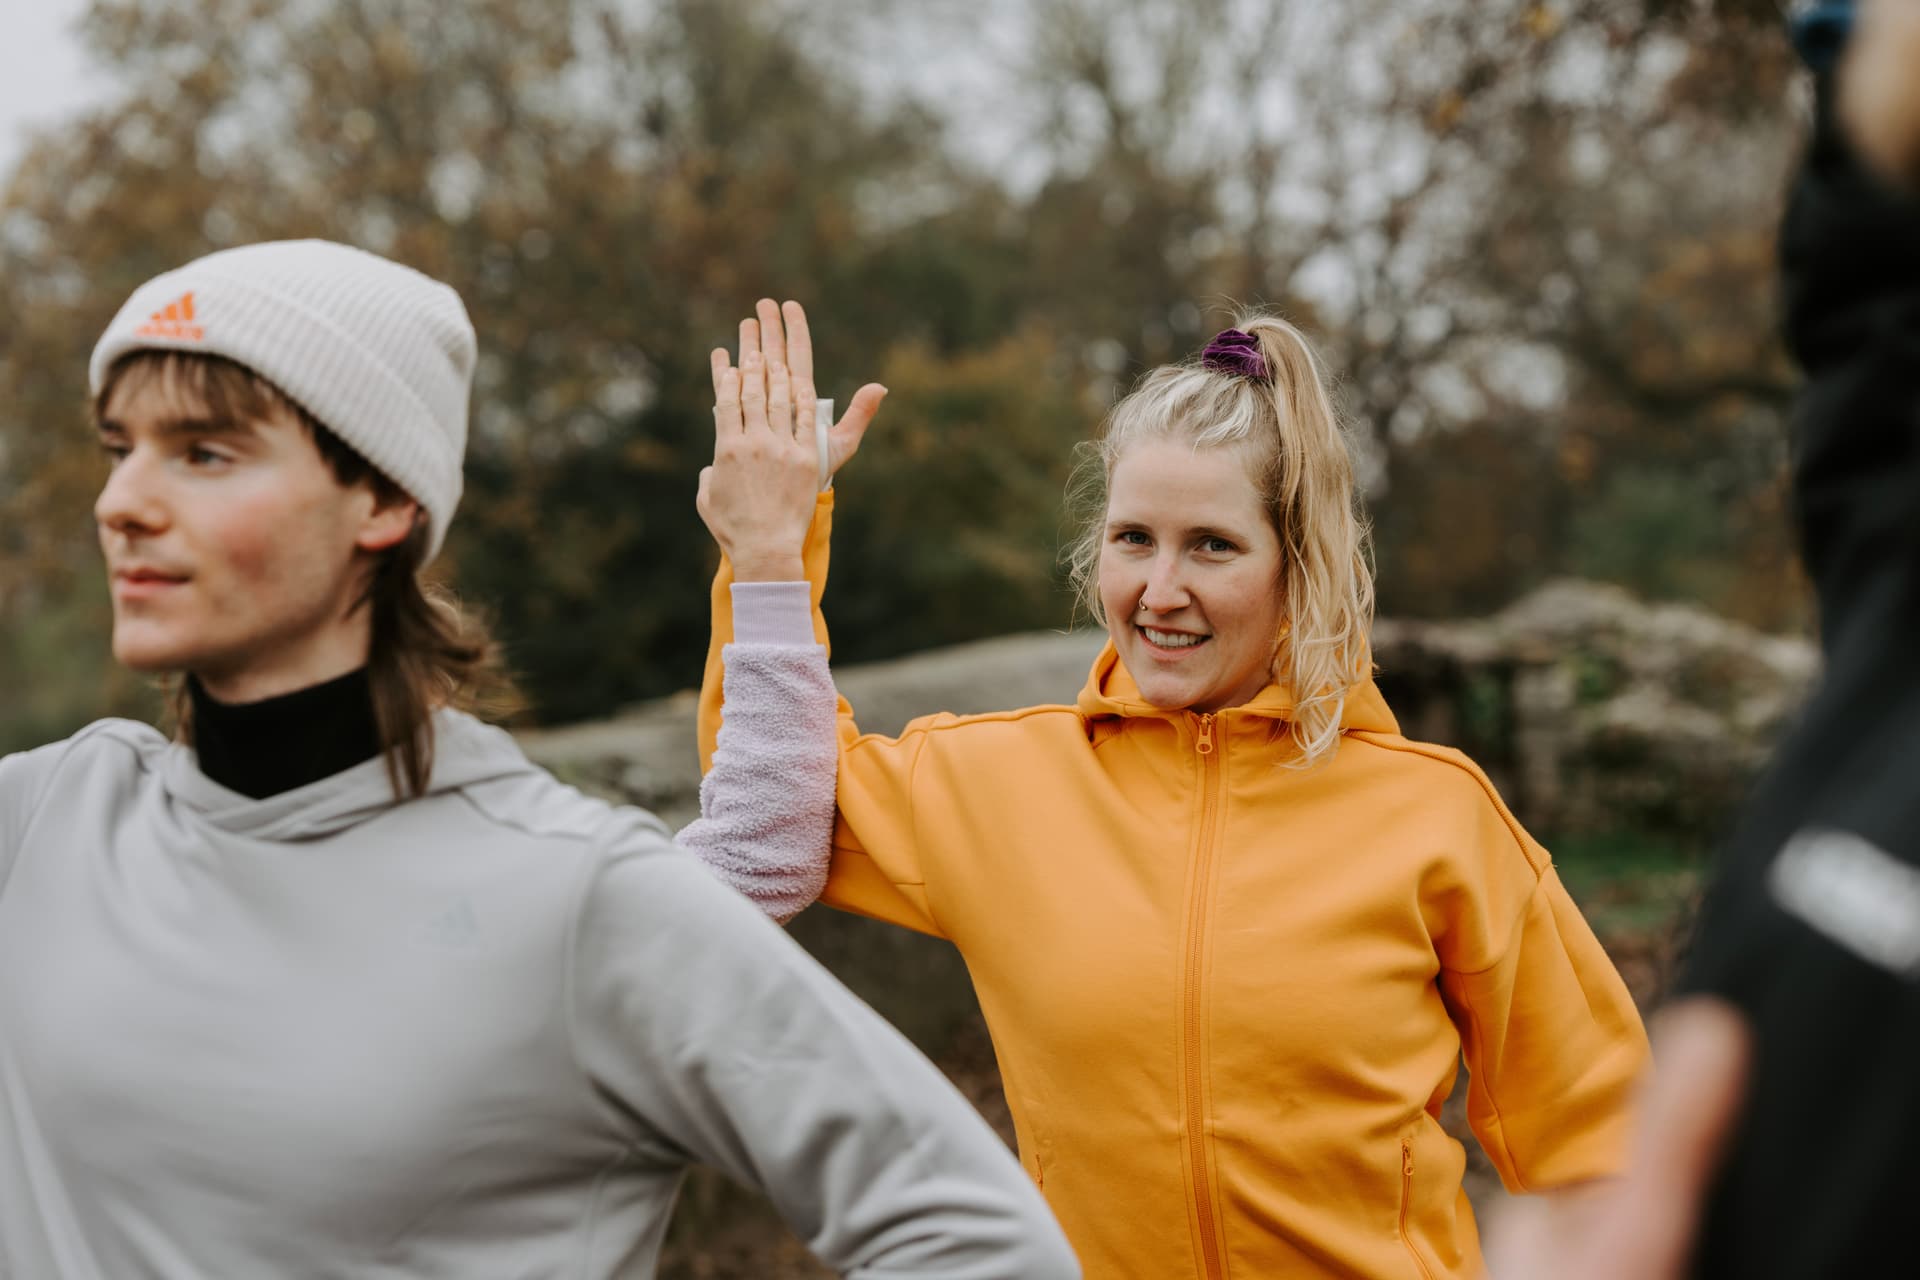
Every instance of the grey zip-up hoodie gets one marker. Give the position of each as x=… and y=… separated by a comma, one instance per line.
x=477, y=1033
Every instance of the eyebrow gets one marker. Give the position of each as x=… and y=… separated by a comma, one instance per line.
x=1195, y=531
x=174, y=427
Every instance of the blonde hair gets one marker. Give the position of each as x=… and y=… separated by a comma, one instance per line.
x=1298, y=461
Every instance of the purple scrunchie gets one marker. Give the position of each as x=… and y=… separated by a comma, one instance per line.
x=1235, y=352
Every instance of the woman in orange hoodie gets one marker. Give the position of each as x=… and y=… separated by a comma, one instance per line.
x=1231, y=932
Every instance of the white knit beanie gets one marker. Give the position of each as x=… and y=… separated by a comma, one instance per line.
x=379, y=353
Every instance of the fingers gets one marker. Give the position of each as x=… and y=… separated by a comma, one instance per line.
x=1687, y=1114
x=773, y=337
x=799, y=342
x=1701, y=1052
x=753, y=383
x=753, y=391
x=727, y=418
x=800, y=363
x=770, y=391
x=1522, y=1244
x=803, y=409
x=773, y=347
x=845, y=438
x=779, y=400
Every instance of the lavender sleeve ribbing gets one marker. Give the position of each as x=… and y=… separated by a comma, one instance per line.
x=766, y=806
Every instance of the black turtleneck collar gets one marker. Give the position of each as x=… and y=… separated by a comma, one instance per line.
x=261, y=749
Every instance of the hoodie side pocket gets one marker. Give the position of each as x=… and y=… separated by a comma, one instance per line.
x=1406, y=1207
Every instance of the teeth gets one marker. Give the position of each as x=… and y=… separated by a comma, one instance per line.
x=1171, y=639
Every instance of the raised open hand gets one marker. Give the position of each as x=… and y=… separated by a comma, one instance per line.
x=757, y=498
x=779, y=335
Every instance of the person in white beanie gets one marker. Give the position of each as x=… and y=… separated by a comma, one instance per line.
x=333, y=981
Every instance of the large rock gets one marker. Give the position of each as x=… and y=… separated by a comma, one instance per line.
x=1596, y=712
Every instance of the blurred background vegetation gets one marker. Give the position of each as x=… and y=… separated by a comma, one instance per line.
x=1534, y=239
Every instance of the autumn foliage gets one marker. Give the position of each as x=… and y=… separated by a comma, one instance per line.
x=1534, y=238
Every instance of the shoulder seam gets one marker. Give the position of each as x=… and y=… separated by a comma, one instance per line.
x=933, y=722
x=1450, y=756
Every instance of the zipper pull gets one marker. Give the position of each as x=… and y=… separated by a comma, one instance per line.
x=1205, y=745
x=1406, y=1158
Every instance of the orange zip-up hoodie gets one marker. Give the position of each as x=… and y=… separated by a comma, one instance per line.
x=1228, y=997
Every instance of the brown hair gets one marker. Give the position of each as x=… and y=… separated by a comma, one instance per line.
x=428, y=650
x=1300, y=463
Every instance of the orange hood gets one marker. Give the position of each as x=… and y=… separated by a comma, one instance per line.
x=1110, y=691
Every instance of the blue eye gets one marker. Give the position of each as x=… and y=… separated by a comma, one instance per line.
x=200, y=456
x=1132, y=537
x=1220, y=545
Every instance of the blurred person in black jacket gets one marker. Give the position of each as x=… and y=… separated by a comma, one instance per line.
x=1780, y=1133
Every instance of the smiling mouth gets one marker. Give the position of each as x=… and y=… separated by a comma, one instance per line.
x=1171, y=639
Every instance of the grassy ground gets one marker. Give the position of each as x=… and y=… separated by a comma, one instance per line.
x=1638, y=893
x=1631, y=884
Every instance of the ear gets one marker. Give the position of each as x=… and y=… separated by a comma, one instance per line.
x=389, y=522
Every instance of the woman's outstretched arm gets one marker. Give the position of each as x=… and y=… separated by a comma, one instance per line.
x=767, y=803
x=873, y=865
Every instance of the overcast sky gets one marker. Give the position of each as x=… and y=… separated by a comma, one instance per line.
x=42, y=74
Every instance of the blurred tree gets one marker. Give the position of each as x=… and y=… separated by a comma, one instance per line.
x=608, y=191
x=1533, y=237
x=1635, y=235
x=974, y=553
x=1537, y=235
